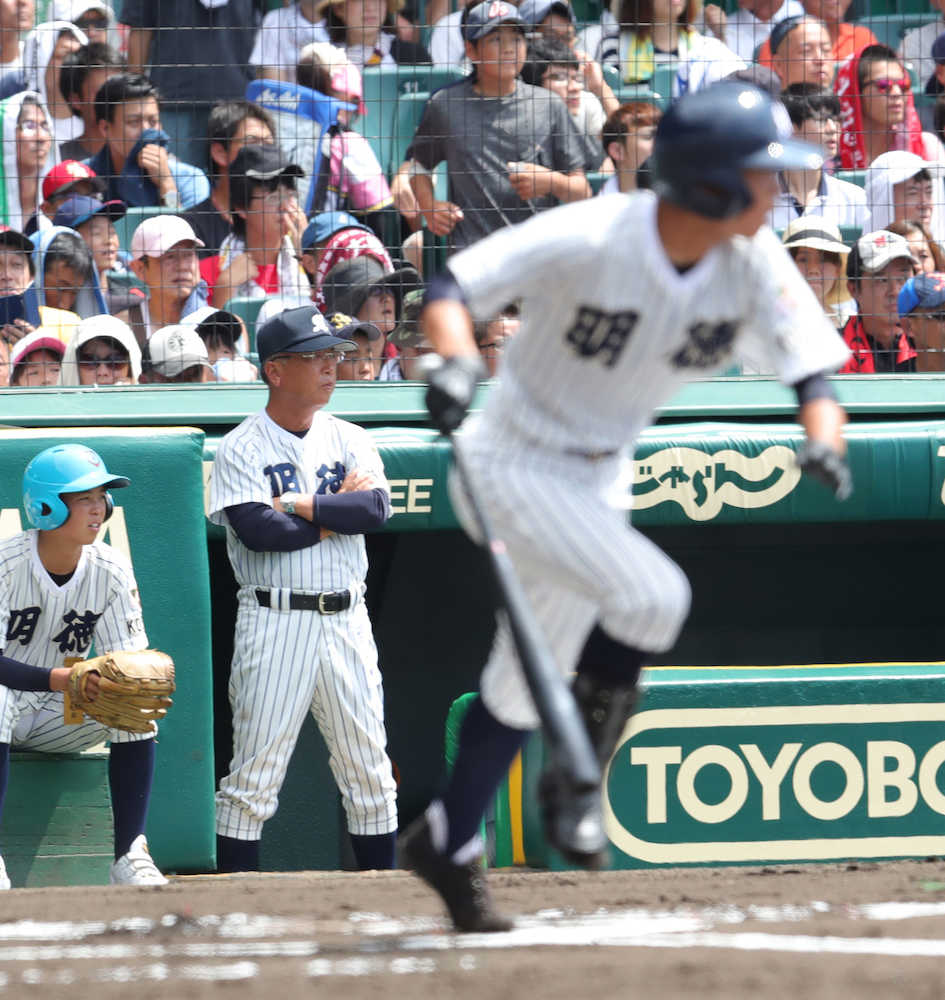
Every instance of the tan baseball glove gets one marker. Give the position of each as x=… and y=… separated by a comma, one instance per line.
x=134, y=688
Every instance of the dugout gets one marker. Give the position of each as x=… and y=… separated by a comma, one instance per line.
x=780, y=573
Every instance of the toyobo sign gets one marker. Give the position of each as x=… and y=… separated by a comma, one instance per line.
x=779, y=783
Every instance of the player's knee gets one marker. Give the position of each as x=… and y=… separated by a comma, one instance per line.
x=653, y=619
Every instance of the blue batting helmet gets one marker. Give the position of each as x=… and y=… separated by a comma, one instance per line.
x=707, y=139
x=63, y=468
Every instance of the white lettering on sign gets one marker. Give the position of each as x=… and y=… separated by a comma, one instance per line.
x=411, y=496
x=887, y=777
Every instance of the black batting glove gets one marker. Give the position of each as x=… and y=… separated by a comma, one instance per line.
x=450, y=390
x=821, y=462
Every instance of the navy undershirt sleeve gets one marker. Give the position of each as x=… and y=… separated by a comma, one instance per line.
x=22, y=676
x=262, y=529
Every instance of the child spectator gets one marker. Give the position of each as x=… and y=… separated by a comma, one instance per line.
x=927, y=254
x=922, y=314
x=878, y=267
x=65, y=273
x=410, y=341
x=102, y=352
x=83, y=73
x=350, y=178
x=134, y=161
x=261, y=257
x=333, y=237
x=224, y=336
x=550, y=63
x=363, y=364
x=361, y=288
x=815, y=117
x=508, y=154
x=877, y=110
x=35, y=360
x=64, y=180
x=231, y=126
x=94, y=221
x=628, y=140
x=283, y=35
x=27, y=154
x=175, y=354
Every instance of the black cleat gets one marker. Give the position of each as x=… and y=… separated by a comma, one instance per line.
x=462, y=887
x=572, y=820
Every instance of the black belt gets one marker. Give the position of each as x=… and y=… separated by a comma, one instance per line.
x=328, y=603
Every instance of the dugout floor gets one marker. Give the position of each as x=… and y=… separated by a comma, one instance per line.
x=798, y=933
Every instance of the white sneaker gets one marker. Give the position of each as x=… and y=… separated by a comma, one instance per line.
x=136, y=867
x=4, y=878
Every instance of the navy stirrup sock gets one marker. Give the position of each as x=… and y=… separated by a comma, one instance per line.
x=237, y=855
x=608, y=661
x=130, y=772
x=486, y=749
x=374, y=851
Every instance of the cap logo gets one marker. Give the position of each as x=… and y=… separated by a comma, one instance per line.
x=338, y=320
x=175, y=342
x=879, y=241
x=75, y=169
x=497, y=9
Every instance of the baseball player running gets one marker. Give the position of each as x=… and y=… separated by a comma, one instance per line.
x=624, y=299
x=60, y=590
x=296, y=489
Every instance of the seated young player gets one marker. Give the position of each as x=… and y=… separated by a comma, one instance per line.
x=60, y=591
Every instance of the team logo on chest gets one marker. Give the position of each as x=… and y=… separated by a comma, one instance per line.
x=709, y=343
x=23, y=624
x=76, y=637
x=600, y=335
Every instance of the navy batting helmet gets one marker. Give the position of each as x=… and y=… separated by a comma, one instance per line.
x=63, y=468
x=707, y=139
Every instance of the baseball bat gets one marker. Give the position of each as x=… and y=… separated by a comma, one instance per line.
x=560, y=718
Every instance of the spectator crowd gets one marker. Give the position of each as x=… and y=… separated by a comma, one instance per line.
x=176, y=172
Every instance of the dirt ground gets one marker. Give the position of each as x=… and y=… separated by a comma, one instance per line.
x=801, y=932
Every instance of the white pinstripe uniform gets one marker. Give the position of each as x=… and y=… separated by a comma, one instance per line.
x=285, y=662
x=610, y=330
x=44, y=624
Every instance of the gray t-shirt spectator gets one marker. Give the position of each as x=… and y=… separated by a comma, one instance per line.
x=479, y=136
x=197, y=53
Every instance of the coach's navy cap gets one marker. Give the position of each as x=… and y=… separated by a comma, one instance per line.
x=79, y=208
x=924, y=291
x=326, y=224
x=485, y=17
x=533, y=12
x=297, y=331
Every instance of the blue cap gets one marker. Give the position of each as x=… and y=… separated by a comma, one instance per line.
x=924, y=291
x=326, y=224
x=533, y=12
x=80, y=208
x=296, y=331
x=485, y=17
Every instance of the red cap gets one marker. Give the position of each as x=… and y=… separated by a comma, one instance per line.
x=65, y=174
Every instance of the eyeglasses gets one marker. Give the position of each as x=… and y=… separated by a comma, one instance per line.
x=316, y=357
x=886, y=83
x=88, y=24
x=112, y=361
x=30, y=127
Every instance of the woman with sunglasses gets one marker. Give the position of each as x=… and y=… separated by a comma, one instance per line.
x=103, y=352
x=877, y=110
